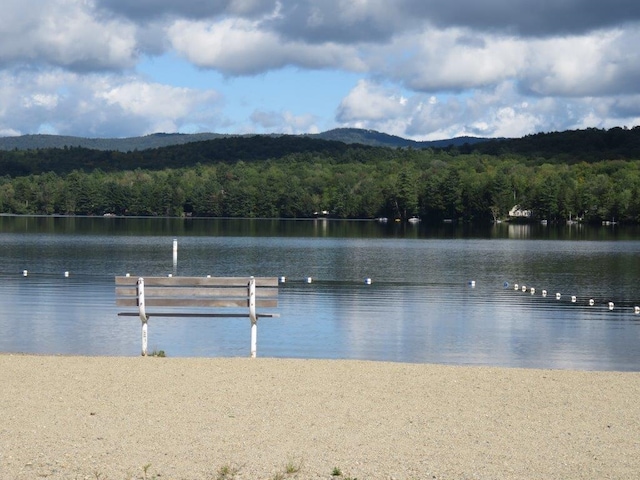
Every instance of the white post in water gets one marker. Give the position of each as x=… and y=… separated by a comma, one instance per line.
x=143, y=314
x=175, y=255
x=253, y=317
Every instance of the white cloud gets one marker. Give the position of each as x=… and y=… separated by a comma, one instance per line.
x=428, y=68
x=47, y=101
x=497, y=112
x=601, y=63
x=371, y=102
x=98, y=105
x=241, y=47
x=147, y=99
x=9, y=132
x=64, y=33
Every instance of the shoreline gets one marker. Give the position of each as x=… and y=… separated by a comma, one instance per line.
x=73, y=417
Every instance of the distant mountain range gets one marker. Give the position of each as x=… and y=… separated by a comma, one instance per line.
x=568, y=146
x=159, y=140
x=378, y=139
x=36, y=154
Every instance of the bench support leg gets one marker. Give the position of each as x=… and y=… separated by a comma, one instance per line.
x=144, y=339
x=252, y=316
x=254, y=339
x=143, y=314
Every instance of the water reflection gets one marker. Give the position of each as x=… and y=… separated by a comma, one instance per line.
x=321, y=227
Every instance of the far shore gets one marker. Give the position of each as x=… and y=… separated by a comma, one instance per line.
x=122, y=418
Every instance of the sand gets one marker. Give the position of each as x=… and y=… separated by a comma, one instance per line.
x=110, y=418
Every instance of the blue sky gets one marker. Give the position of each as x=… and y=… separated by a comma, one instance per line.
x=290, y=90
x=421, y=69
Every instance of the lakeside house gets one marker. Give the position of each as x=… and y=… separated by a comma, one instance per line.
x=517, y=213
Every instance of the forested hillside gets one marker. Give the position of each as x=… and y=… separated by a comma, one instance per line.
x=569, y=147
x=160, y=140
x=156, y=140
x=295, y=177
x=228, y=150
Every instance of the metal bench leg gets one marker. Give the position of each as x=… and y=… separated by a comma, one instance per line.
x=254, y=339
x=252, y=316
x=144, y=338
x=143, y=314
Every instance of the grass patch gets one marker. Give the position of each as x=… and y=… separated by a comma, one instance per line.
x=336, y=472
x=292, y=467
x=227, y=472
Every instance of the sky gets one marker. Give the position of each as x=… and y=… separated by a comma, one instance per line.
x=419, y=69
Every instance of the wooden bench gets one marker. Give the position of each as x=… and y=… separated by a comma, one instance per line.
x=198, y=295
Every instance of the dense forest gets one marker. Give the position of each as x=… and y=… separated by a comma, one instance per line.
x=592, y=174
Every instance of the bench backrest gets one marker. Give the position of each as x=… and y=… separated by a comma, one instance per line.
x=204, y=292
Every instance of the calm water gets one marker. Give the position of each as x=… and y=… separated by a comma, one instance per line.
x=419, y=307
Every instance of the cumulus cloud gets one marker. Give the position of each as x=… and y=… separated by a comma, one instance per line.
x=371, y=102
x=371, y=20
x=450, y=60
x=64, y=33
x=340, y=21
x=425, y=68
x=147, y=99
x=498, y=112
x=241, y=47
x=72, y=104
x=348, y=21
x=598, y=64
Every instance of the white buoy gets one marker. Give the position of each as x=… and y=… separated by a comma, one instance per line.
x=208, y=276
x=573, y=299
x=636, y=309
x=544, y=293
x=170, y=275
x=309, y=280
x=516, y=286
x=591, y=302
x=283, y=279
x=127, y=275
x=524, y=288
x=533, y=291
x=367, y=281
x=558, y=296
x=472, y=283
x=66, y=274
x=611, y=305
x=25, y=273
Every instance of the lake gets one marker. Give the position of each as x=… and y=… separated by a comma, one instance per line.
x=421, y=305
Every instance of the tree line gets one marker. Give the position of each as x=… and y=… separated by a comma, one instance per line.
x=347, y=182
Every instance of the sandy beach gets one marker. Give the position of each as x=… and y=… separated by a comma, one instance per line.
x=112, y=418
